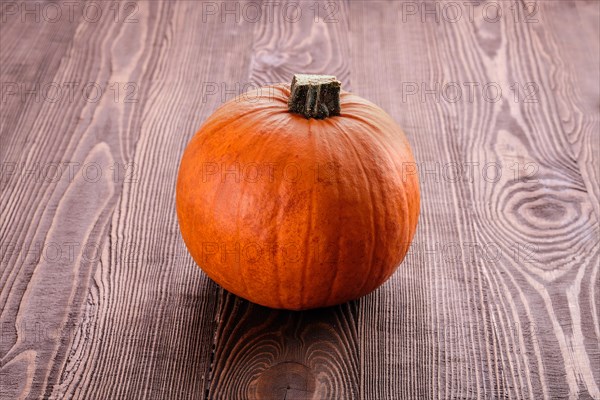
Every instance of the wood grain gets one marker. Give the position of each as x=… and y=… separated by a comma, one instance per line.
x=497, y=298
x=503, y=316
x=261, y=353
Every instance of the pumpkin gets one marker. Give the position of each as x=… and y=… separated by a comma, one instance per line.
x=300, y=196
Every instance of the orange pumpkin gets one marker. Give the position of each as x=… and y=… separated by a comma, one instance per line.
x=298, y=209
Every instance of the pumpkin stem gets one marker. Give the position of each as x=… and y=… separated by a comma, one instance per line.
x=315, y=96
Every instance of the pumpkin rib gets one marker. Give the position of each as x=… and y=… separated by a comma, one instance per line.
x=242, y=123
x=412, y=217
x=277, y=275
x=196, y=144
x=276, y=125
x=281, y=213
x=241, y=120
x=307, y=239
x=406, y=215
x=278, y=216
x=336, y=275
x=332, y=286
x=369, y=186
x=241, y=266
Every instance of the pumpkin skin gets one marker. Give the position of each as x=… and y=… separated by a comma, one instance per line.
x=298, y=213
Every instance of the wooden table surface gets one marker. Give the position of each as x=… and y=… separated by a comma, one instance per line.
x=498, y=297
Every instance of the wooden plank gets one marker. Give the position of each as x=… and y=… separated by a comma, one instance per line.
x=262, y=353
x=268, y=354
x=21, y=67
x=157, y=298
x=500, y=315
x=569, y=58
x=31, y=200
x=116, y=314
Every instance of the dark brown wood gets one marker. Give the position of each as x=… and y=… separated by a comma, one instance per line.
x=506, y=323
x=497, y=298
x=262, y=353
